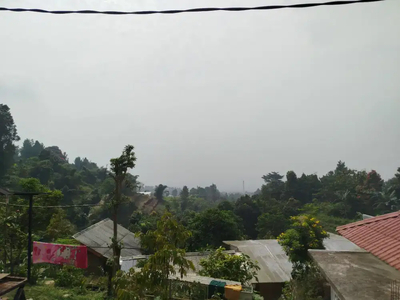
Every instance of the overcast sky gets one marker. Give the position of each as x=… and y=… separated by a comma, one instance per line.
x=207, y=98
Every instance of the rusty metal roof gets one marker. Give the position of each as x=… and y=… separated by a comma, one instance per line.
x=378, y=235
x=98, y=238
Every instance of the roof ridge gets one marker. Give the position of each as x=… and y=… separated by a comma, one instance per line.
x=368, y=221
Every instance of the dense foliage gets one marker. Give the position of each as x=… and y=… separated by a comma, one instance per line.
x=231, y=267
x=305, y=233
x=167, y=260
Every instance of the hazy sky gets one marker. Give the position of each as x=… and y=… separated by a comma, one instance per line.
x=208, y=98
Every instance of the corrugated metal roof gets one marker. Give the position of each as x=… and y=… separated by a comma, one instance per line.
x=378, y=235
x=274, y=263
x=98, y=238
x=5, y=192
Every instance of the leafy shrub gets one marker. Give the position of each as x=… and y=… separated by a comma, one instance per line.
x=22, y=270
x=310, y=286
x=69, y=276
x=231, y=267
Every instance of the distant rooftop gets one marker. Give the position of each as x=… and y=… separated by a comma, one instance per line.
x=379, y=235
x=274, y=263
x=98, y=238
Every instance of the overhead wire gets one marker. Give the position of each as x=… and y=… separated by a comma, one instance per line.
x=190, y=10
x=51, y=206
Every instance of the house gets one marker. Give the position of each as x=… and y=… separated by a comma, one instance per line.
x=97, y=239
x=275, y=268
x=371, y=273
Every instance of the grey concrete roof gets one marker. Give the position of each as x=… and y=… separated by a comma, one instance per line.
x=98, y=238
x=356, y=275
x=272, y=260
x=339, y=243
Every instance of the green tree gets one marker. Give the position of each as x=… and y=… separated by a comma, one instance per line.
x=31, y=148
x=305, y=233
x=291, y=186
x=274, y=185
x=307, y=187
x=8, y=137
x=230, y=267
x=119, y=168
x=167, y=243
x=159, y=192
x=184, y=198
x=59, y=226
x=247, y=209
x=368, y=190
x=212, y=226
x=226, y=205
x=13, y=237
x=212, y=193
x=270, y=226
x=141, y=222
x=174, y=192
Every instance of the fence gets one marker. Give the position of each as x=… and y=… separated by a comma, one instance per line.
x=395, y=290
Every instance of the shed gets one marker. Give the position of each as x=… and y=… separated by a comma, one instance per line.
x=97, y=238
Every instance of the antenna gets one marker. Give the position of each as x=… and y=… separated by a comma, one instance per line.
x=244, y=193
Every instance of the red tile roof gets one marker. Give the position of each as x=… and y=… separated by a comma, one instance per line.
x=378, y=235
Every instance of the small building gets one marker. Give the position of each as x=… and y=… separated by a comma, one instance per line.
x=275, y=267
x=97, y=238
x=355, y=275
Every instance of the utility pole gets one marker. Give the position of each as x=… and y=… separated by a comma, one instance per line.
x=30, y=237
x=244, y=193
x=30, y=213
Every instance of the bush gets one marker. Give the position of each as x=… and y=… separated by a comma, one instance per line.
x=231, y=267
x=69, y=276
x=310, y=286
x=22, y=270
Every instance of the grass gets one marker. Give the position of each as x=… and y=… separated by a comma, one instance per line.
x=50, y=292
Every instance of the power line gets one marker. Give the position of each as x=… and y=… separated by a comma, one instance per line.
x=191, y=10
x=51, y=206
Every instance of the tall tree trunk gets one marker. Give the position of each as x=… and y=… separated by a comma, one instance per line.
x=115, y=245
